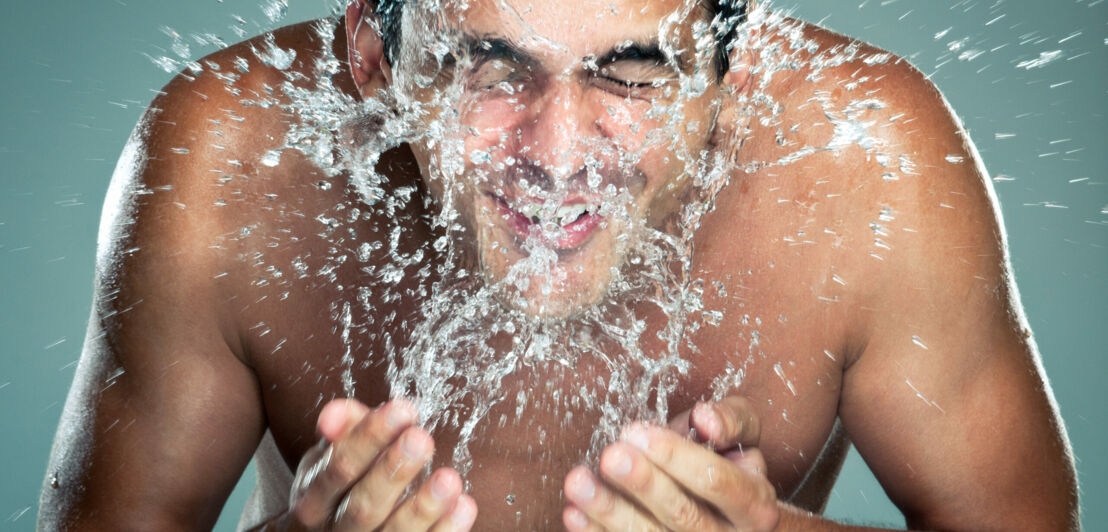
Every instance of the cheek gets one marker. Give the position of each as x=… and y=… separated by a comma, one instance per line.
x=627, y=121
x=492, y=122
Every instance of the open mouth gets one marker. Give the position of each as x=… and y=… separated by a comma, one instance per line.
x=577, y=219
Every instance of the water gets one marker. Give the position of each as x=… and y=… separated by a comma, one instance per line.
x=456, y=359
x=480, y=335
x=486, y=340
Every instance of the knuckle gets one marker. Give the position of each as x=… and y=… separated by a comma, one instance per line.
x=304, y=515
x=662, y=448
x=768, y=493
x=362, y=514
x=716, y=481
x=397, y=463
x=762, y=507
x=765, y=517
x=342, y=470
x=372, y=430
x=686, y=514
x=604, y=507
x=425, y=507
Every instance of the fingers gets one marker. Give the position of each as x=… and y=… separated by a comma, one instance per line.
x=594, y=506
x=460, y=518
x=374, y=497
x=726, y=424
x=359, y=436
x=434, y=500
x=746, y=499
x=339, y=416
x=681, y=425
x=626, y=467
x=751, y=460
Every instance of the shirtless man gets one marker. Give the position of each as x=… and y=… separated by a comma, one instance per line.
x=905, y=336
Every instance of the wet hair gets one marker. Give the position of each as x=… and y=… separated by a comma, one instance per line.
x=726, y=16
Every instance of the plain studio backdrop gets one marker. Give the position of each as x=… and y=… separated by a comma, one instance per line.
x=76, y=76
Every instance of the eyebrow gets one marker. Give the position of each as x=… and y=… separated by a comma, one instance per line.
x=485, y=49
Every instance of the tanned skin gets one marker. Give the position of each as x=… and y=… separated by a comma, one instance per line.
x=195, y=348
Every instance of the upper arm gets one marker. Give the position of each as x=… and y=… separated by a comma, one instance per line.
x=162, y=416
x=948, y=403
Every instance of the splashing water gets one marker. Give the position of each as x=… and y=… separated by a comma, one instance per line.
x=491, y=332
x=479, y=341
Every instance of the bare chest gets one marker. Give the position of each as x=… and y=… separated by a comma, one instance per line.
x=773, y=328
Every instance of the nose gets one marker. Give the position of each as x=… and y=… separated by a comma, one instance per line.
x=557, y=132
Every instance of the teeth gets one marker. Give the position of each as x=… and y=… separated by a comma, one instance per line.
x=570, y=213
x=562, y=215
x=530, y=210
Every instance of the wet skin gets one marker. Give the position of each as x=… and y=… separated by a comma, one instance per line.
x=216, y=348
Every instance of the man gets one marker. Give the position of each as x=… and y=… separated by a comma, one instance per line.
x=858, y=271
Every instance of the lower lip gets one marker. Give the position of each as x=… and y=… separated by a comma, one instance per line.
x=575, y=233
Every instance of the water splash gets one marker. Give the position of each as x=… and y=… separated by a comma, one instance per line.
x=476, y=346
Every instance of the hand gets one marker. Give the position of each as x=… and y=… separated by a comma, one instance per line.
x=659, y=479
x=358, y=476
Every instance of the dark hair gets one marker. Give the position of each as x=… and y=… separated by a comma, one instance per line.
x=726, y=16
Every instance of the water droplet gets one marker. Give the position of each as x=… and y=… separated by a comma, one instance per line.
x=271, y=158
x=276, y=10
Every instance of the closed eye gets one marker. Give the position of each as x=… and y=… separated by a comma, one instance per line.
x=635, y=75
x=490, y=73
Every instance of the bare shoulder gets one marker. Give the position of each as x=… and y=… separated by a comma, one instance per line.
x=232, y=104
x=193, y=179
x=162, y=336
x=886, y=176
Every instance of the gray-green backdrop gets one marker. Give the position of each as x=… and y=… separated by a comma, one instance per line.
x=76, y=77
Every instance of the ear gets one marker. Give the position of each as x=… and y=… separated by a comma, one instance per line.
x=365, y=50
x=737, y=82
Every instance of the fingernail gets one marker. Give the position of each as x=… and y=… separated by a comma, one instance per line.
x=440, y=488
x=412, y=445
x=576, y=518
x=621, y=462
x=585, y=488
x=636, y=435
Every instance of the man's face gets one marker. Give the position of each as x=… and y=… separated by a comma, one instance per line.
x=571, y=125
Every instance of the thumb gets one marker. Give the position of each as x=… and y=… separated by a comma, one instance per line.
x=727, y=424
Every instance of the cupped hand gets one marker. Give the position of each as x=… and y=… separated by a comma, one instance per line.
x=358, y=478
x=658, y=478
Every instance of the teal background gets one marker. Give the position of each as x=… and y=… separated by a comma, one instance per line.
x=75, y=80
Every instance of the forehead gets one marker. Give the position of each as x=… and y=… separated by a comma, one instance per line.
x=575, y=27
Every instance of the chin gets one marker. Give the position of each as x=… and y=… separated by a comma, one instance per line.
x=544, y=280
x=549, y=298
